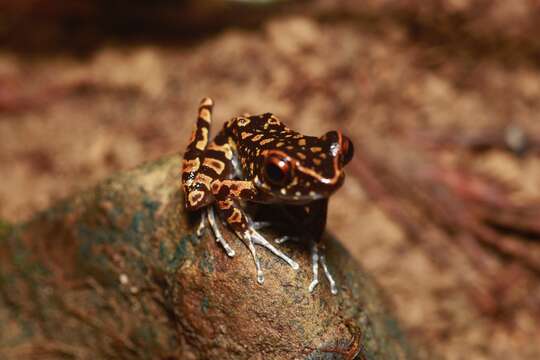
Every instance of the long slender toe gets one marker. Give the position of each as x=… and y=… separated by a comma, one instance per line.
x=260, y=240
x=258, y=225
x=217, y=233
x=248, y=238
x=284, y=239
x=329, y=277
x=202, y=225
x=313, y=285
x=314, y=267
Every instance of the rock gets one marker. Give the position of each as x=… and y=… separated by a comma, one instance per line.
x=117, y=272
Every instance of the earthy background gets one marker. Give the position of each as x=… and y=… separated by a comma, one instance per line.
x=441, y=98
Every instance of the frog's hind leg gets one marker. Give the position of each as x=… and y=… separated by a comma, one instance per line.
x=195, y=182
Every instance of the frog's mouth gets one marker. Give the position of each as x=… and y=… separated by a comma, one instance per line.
x=285, y=195
x=290, y=196
x=299, y=199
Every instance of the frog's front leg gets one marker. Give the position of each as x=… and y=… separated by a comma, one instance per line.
x=311, y=219
x=228, y=193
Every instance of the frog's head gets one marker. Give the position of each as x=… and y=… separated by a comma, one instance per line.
x=307, y=169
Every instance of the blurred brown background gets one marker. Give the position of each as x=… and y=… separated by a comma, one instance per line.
x=441, y=98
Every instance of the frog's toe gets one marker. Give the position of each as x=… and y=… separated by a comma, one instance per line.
x=251, y=238
x=258, y=239
x=217, y=233
x=248, y=239
x=283, y=239
x=313, y=285
x=202, y=225
x=314, y=268
x=315, y=259
x=329, y=277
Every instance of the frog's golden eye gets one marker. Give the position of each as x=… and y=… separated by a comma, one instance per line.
x=347, y=150
x=277, y=170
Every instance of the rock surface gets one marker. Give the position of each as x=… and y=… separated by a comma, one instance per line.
x=116, y=272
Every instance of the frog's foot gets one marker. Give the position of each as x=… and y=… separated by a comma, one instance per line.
x=217, y=233
x=202, y=225
x=251, y=237
x=316, y=257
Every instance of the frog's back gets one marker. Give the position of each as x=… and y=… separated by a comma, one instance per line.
x=262, y=130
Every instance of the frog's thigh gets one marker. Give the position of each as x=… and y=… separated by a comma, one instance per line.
x=215, y=166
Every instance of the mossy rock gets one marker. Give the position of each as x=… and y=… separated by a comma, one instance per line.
x=117, y=272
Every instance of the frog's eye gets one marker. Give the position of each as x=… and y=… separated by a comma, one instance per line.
x=277, y=170
x=347, y=150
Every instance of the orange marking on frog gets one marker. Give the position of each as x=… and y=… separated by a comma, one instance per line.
x=243, y=121
x=195, y=197
x=257, y=137
x=204, y=179
x=201, y=144
x=214, y=164
x=266, y=141
x=191, y=165
x=193, y=136
x=204, y=114
x=245, y=135
x=225, y=149
x=225, y=204
x=273, y=120
x=236, y=216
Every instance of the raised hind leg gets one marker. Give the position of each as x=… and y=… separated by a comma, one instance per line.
x=195, y=182
x=203, y=163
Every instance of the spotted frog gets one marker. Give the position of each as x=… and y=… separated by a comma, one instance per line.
x=258, y=159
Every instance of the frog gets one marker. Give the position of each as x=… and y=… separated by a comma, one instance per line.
x=257, y=159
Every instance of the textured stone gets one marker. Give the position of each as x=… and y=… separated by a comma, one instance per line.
x=116, y=272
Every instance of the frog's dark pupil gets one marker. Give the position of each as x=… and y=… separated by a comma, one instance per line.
x=274, y=173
